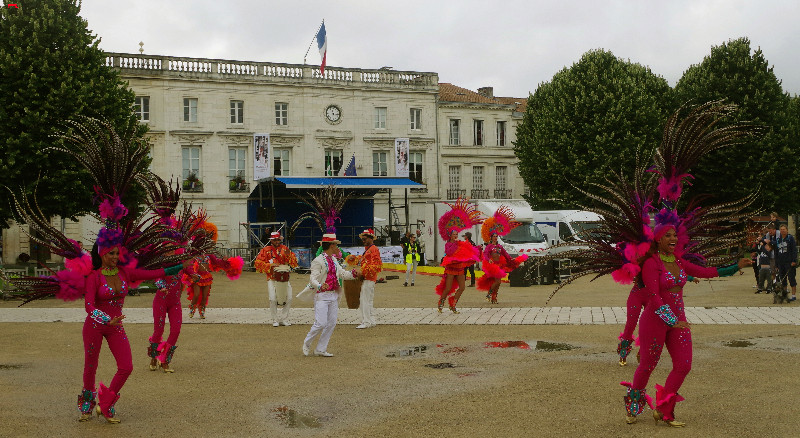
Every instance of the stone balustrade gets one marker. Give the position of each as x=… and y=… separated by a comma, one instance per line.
x=221, y=69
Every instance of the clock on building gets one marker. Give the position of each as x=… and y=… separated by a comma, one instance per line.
x=333, y=114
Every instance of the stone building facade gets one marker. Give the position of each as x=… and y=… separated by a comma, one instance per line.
x=202, y=114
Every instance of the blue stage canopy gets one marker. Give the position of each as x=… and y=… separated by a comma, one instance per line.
x=348, y=182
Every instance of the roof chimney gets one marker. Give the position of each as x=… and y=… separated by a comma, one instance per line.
x=486, y=92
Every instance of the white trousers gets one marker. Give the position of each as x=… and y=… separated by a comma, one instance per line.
x=326, y=310
x=272, y=288
x=366, y=299
x=412, y=268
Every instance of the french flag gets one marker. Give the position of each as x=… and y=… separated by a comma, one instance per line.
x=322, y=43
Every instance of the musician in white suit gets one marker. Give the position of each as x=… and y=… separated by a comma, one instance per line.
x=325, y=274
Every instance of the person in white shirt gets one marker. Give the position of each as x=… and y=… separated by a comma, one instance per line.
x=325, y=275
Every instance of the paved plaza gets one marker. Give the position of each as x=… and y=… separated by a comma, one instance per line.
x=787, y=314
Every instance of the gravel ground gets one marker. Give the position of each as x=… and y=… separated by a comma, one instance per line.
x=405, y=381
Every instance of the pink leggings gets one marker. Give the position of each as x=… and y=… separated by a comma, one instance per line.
x=93, y=334
x=167, y=304
x=654, y=334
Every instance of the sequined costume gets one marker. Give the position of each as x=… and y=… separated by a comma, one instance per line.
x=199, y=274
x=495, y=270
x=102, y=305
x=664, y=308
x=166, y=304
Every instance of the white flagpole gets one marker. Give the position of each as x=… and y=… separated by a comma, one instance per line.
x=312, y=41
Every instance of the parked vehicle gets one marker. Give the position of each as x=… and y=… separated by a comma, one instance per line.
x=565, y=226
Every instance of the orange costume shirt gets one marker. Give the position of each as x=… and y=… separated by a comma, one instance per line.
x=271, y=256
x=371, y=263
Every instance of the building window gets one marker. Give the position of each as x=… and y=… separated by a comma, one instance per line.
x=454, y=177
x=237, y=111
x=455, y=135
x=380, y=118
x=333, y=161
x=379, y=165
x=281, y=162
x=416, y=118
x=501, y=174
x=281, y=114
x=415, y=163
x=501, y=133
x=141, y=108
x=237, y=157
x=191, y=161
x=477, y=177
x=478, y=129
x=190, y=110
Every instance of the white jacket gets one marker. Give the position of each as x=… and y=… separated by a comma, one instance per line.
x=319, y=272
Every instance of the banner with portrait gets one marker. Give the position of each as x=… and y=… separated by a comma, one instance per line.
x=401, y=156
x=262, y=154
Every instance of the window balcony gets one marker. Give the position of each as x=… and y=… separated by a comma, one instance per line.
x=192, y=186
x=238, y=186
x=479, y=194
x=456, y=193
x=502, y=193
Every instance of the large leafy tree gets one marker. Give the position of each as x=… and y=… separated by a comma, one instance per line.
x=51, y=70
x=740, y=75
x=591, y=118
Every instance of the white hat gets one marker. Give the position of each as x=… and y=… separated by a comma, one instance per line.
x=329, y=238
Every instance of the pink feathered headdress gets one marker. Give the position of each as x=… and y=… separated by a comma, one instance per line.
x=462, y=215
x=501, y=223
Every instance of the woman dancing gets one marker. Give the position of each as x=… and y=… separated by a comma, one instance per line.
x=495, y=262
x=197, y=277
x=459, y=254
x=106, y=288
x=659, y=260
x=663, y=322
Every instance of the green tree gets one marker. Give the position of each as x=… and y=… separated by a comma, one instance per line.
x=740, y=75
x=590, y=118
x=51, y=70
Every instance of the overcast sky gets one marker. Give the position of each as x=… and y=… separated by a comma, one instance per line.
x=510, y=45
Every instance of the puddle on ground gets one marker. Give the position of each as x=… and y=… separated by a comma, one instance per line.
x=553, y=346
x=508, y=344
x=408, y=352
x=9, y=367
x=440, y=366
x=709, y=307
x=455, y=350
x=739, y=343
x=291, y=418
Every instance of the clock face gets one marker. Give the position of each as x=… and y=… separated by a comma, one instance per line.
x=333, y=113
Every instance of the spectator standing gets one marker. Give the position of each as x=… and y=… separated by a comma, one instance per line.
x=421, y=244
x=765, y=256
x=470, y=268
x=786, y=259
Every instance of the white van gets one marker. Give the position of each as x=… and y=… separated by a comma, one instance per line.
x=559, y=226
x=525, y=239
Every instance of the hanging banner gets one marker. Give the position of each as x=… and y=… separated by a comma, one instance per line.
x=401, y=156
x=262, y=157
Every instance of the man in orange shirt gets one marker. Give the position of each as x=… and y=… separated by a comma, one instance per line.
x=274, y=260
x=371, y=266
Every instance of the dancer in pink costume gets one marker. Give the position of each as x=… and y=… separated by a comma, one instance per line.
x=663, y=321
x=686, y=240
x=106, y=288
x=495, y=261
x=166, y=303
x=459, y=254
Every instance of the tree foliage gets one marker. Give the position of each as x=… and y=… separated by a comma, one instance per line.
x=740, y=75
x=591, y=118
x=52, y=70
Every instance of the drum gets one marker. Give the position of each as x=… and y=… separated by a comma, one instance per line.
x=281, y=273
